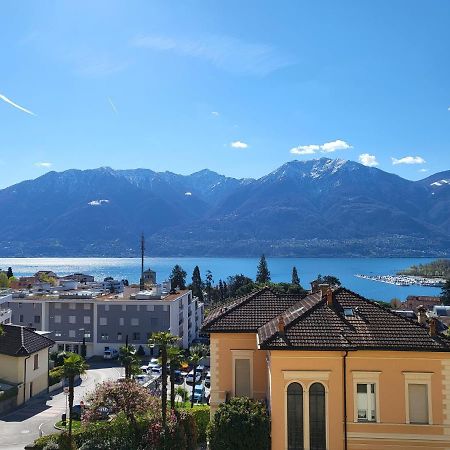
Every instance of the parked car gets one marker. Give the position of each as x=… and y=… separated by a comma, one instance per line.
x=178, y=377
x=141, y=379
x=155, y=371
x=190, y=377
x=111, y=353
x=201, y=369
x=208, y=379
x=199, y=393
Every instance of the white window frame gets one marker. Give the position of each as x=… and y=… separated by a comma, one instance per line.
x=106, y=307
x=57, y=305
x=121, y=321
x=362, y=377
x=57, y=319
x=87, y=306
x=241, y=354
x=72, y=319
x=150, y=308
x=72, y=306
x=306, y=378
x=72, y=333
x=87, y=319
x=124, y=307
x=135, y=321
x=103, y=321
x=418, y=378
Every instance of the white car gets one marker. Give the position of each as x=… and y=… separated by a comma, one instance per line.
x=190, y=377
x=155, y=371
x=208, y=379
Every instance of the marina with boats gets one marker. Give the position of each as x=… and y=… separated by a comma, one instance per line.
x=404, y=280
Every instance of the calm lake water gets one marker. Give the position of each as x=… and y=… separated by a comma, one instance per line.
x=280, y=269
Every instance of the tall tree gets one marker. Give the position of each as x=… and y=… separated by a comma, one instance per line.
x=4, y=282
x=178, y=277
x=196, y=354
x=9, y=272
x=164, y=340
x=176, y=357
x=73, y=366
x=295, y=279
x=197, y=284
x=445, y=293
x=129, y=359
x=209, y=282
x=262, y=274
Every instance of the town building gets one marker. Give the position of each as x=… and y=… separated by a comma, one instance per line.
x=336, y=370
x=24, y=361
x=5, y=311
x=149, y=276
x=105, y=320
x=414, y=301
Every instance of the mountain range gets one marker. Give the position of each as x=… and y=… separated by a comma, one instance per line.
x=322, y=207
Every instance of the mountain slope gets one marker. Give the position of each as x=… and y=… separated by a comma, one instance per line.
x=318, y=207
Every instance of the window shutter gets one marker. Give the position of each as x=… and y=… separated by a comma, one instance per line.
x=242, y=377
x=418, y=403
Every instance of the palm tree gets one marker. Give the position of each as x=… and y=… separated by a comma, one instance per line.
x=164, y=340
x=175, y=357
x=129, y=359
x=197, y=353
x=73, y=366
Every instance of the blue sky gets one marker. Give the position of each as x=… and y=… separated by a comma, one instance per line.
x=237, y=87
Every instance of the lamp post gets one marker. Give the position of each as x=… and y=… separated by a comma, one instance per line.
x=152, y=347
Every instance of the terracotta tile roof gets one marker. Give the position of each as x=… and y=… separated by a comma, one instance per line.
x=21, y=341
x=246, y=314
x=367, y=325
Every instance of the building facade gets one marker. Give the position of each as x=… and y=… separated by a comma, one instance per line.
x=5, y=311
x=105, y=321
x=337, y=371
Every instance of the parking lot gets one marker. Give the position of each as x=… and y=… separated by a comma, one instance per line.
x=151, y=378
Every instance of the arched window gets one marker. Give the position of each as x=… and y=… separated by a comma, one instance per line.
x=317, y=421
x=295, y=416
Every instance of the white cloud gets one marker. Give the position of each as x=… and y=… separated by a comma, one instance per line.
x=7, y=100
x=46, y=165
x=215, y=113
x=113, y=106
x=239, y=144
x=423, y=170
x=305, y=149
x=328, y=147
x=368, y=160
x=188, y=194
x=224, y=52
x=98, y=202
x=334, y=145
x=408, y=160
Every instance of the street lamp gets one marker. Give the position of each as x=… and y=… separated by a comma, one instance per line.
x=152, y=347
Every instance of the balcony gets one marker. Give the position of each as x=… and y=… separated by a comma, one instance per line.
x=5, y=316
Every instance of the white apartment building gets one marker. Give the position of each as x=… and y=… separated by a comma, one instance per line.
x=5, y=310
x=105, y=320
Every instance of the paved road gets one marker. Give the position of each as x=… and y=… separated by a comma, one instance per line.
x=22, y=426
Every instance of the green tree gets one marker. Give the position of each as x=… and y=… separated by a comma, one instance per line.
x=197, y=284
x=209, y=282
x=328, y=279
x=196, y=354
x=129, y=359
x=178, y=277
x=445, y=293
x=9, y=272
x=295, y=279
x=176, y=357
x=239, y=283
x=262, y=274
x=164, y=340
x=74, y=365
x=4, y=282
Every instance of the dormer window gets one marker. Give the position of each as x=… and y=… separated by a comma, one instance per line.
x=348, y=312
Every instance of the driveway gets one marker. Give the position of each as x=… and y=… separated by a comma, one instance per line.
x=24, y=425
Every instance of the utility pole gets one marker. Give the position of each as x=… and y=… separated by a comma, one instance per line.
x=141, y=284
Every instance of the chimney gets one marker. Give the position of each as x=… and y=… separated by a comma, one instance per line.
x=422, y=315
x=324, y=288
x=433, y=327
x=281, y=325
x=314, y=287
x=329, y=295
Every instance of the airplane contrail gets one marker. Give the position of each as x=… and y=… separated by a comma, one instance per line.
x=7, y=100
x=113, y=106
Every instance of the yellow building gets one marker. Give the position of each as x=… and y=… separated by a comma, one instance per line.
x=337, y=371
x=24, y=360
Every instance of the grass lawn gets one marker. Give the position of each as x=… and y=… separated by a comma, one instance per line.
x=76, y=424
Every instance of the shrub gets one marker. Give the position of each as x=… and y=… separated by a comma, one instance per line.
x=54, y=376
x=43, y=441
x=201, y=416
x=240, y=424
x=9, y=393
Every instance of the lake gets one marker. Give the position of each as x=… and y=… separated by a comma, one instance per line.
x=280, y=269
